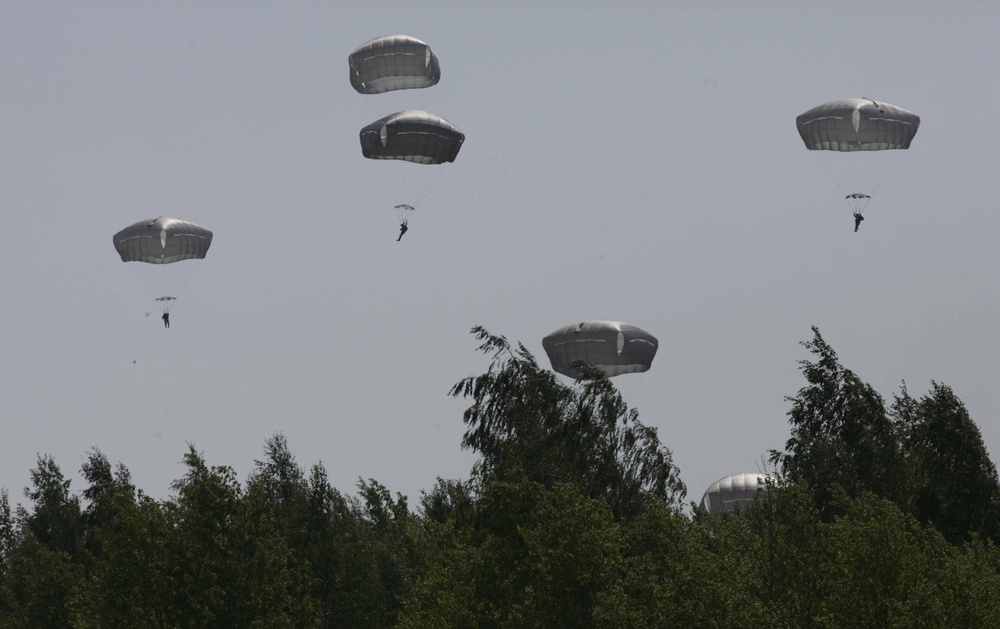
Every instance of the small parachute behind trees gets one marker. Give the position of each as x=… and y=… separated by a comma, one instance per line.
x=734, y=492
x=614, y=347
x=856, y=141
x=170, y=251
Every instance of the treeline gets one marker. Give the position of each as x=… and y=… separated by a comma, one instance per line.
x=885, y=515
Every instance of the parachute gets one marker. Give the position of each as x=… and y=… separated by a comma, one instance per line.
x=412, y=136
x=398, y=141
x=417, y=137
x=173, y=248
x=858, y=202
x=851, y=138
x=403, y=212
x=393, y=62
x=613, y=346
x=734, y=492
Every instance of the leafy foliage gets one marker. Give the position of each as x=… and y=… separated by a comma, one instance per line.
x=570, y=519
x=842, y=434
x=953, y=482
x=524, y=423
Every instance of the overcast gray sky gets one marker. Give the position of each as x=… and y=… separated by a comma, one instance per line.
x=628, y=161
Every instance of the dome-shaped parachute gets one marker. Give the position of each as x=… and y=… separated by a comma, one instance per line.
x=734, y=492
x=173, y=247
x=162, y=240
x=393, y=62
x=850, y=137
x=614, y=347
x=413, y=136
x=857, y=124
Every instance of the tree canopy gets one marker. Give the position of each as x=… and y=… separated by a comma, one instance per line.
x=572, y=516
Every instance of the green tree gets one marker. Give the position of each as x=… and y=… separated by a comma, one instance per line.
x=668, y=576
x=55, y=519
x=125, y=537
x=534, y=557
x=953, y=482
x=6, y=532
x=135, y=577
x=41, y=588
x=448, y=500
x=273, y=583
x=386, y=521
x=346, y=584
x=524, y=423
x=201, y=520
x=277, y=534
x=841, y=433
x=885, y=570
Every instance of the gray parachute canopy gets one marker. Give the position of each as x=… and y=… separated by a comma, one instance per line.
x=614, y=347
x=857, y=124
x=162, y=240
x=412, y=136
x=735, y=491
x=393, y=62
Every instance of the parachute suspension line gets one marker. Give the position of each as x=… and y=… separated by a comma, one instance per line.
x=857, y=173
x=627, y=389
x=429, y=184
x=164, y=283
x=898, y=159
x=403, y=212
x=858, y=202
x=387, y=182
x=166, y=304
x=404, y=183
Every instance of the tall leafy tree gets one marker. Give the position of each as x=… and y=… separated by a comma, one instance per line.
x=41, y=588
x=202, y=520
x=883, y=569
x=7, y=539
x=44, y=578
x=55, y=518
x=668, y=575
x=953, y=481
x=109, y=495
x=125, y=537
x=525, y=424
x=535, y=557
x=346, y=581
x=841, y=433
x=448, y=500
x=386, y=522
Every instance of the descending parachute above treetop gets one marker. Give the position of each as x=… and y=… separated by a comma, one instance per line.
x=170, y=250
x=613, y=346
x=735, y=492
x=853, y=136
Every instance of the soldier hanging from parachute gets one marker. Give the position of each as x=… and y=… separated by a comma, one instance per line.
x=856, y=136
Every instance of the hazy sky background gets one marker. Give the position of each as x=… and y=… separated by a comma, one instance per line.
x=629, y=161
